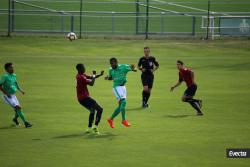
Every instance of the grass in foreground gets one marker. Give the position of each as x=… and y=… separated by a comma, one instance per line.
x=166, y=134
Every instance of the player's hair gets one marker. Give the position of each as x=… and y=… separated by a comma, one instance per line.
x=80, y=66
x=113, y=59
x=7, y=65
x=180, y=62
x=146, y=47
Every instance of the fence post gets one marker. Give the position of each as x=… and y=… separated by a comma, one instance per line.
x=72, y=23
x=80, y=19
x=162, y=22
x=9, y=19
x=208, y=19
x=147, y=19
x=62, y=22
x=193, y=26
x=137, y=16
x=113, y=22
x=12, y=16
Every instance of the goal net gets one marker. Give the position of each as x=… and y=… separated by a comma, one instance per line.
x=226, y=25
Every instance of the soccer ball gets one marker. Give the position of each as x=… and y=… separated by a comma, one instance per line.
x=71, y=36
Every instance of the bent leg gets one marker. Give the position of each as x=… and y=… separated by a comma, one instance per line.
x=99, y=110
x=193, y=102
x=123, y=109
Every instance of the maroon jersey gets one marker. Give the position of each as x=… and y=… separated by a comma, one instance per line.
x=185, y=75
x=81, y=87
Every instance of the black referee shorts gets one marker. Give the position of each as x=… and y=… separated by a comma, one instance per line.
x=88, y=103
x=191, y=90
x=147, y=80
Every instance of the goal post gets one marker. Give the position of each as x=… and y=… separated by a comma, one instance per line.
x=234, y=26
x=209, y=25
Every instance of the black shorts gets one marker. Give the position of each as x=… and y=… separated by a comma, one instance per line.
x=88, y=103
x=190, y=91
x=147, y=80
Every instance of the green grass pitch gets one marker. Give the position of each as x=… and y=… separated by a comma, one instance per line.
x=166, y=134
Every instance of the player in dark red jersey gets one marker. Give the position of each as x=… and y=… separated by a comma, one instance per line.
x=187, y=75
x=84, y=99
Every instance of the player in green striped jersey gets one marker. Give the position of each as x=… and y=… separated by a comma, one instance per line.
x=117, y=73
x=9, y=87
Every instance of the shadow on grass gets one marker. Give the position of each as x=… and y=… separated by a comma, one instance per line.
x=87, y=136
x=179, y=116
x=36, y=139
x=135, y=109
x=9, y=127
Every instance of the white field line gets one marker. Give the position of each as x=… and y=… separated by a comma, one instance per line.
x=98, y=58
x=154, y=7
x=188, y=7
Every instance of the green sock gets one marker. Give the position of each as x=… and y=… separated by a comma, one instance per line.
x=16, y=115
x=123, y=105
x=20, y=114
x=116, y=112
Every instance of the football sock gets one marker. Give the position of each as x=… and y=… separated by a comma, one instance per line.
x=123, y=110
x=98, y=117
x=194, y=100
x=116, y=112
x=91, y=118
x=194, y=104
x=20, y=114
x=16, y=115
x=144, y=95
x=147, y=97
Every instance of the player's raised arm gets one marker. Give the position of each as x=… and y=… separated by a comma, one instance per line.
x=91, y=82
x=94, y=75
x=101, y=74
x=109, y=77
x=132, y=66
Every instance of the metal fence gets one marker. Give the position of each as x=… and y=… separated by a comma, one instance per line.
x=146, y=20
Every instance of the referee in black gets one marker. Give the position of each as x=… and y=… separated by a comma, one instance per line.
x=147, y=64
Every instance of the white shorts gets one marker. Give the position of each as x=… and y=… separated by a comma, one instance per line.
x=120, y=92
x=12, y=101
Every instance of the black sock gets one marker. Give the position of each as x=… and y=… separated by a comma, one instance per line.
x=194, y=104
x=147, y=97
x=144, y=96
x=98, y=117
x=196, y=100
x=91, y=118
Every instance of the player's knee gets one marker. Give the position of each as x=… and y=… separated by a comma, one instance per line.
x=92, y=111
x=183, y=99
x=147, y=90
x=100, y=109
x=123, y=102
x=17, y=107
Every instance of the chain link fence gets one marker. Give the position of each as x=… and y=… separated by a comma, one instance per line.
x=135, y=18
